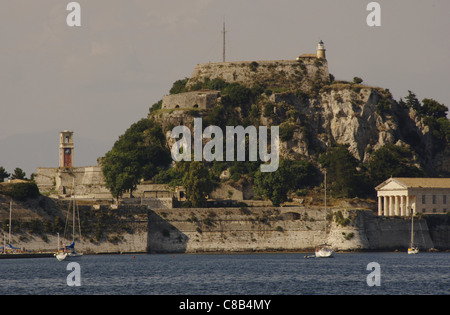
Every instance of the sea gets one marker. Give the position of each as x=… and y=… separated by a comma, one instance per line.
x=266, y=274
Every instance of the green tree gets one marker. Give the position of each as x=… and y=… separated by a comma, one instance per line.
x=139, y=153
x=155, y=107
x=197, y=182
x=3, y=174
x=342, y=176
x=391, y=160
x=121, y=172
x=290, y=176
x=443, y=129
x=179, y=86
x=21, y=191
x=413, y=102
x=433, y=109
x=235, y=94
x=18, y=174
x=357, y=80
x=286, y=131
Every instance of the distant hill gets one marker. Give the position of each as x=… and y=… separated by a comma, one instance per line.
x=315, y=113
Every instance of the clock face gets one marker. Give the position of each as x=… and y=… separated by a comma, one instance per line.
x=67, y=151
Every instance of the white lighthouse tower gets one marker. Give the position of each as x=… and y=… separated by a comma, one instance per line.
x=321, y=50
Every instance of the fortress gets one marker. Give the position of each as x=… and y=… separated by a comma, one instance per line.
x=298, y=74
x=202, y=99
x=294, y=74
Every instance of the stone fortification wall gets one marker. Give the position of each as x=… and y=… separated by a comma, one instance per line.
x=272, y=74
x=89, y=182
x=366, y=231
x=246, y=229
x=203, y=99
x=285, y=229
x=235, y=229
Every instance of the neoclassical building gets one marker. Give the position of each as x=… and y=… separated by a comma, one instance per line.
x=399, y=196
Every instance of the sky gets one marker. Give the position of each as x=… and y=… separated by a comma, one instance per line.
x=99, y=78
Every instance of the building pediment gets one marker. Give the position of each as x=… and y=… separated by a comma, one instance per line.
x=406, y=182
x=391, y=184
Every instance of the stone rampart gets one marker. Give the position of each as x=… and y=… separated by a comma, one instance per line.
x=203, y=99
x=247, y=229
x=285, y=229
x=271, y=74
x=89, y=182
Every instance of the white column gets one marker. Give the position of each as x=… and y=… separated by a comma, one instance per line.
x=402, y=206
x=407, y=207
x=391, y=205
x=385, y=206
x=395, y=205
x=380, y=206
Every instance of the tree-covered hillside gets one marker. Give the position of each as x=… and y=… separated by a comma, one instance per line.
x=389, y=138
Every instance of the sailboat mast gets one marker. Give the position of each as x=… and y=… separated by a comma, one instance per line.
x=223, y=46
x=73, y=216
x=325, y=191
x=326, y=203
x=412, y=228
x=10, y=223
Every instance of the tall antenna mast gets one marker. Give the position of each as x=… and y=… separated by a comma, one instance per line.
x=223, y=32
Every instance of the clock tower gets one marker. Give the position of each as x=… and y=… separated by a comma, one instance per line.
x=66, y=148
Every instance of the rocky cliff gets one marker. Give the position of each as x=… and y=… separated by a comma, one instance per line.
x=317, y=111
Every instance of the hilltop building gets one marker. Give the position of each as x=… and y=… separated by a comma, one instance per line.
x=320, y=54
x=400, y=196
x=202, y=99
x=299, y=72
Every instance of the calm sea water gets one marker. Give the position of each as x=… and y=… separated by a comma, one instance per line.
x=239, y=274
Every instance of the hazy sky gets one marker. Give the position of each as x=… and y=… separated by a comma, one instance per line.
x=99, y=78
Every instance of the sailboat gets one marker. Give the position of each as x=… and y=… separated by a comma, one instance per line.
x=9, y=248
x=324, y=251
x=60, y=253
x=412, y=249
x=68, y=251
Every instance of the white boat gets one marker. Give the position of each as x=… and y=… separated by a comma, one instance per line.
x=68, y=251
x=60, y=253
x=61, y=256
x=412, y=249
x=324, y=250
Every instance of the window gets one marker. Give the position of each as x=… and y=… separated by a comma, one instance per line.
x=434, y=199
x=444, y=199
x=434, y=210
x=423, y=210
x=423, y=199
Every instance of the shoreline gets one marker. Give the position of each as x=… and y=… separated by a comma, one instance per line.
x=49, y=255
